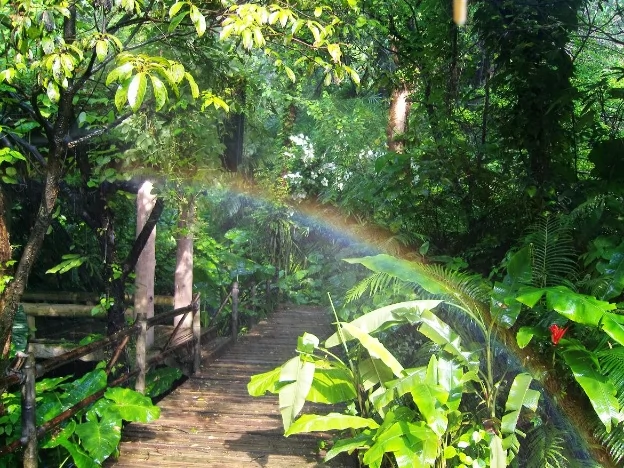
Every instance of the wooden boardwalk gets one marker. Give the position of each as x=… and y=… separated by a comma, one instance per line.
x=211, y=421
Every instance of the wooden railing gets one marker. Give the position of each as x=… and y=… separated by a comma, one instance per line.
x=26, y=372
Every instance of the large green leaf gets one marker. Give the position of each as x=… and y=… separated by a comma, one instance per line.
x=329, y=422
x=519, y=395
x=442, y=334
x=614, y=272
x=361, y=441
x=373, y=372
x=375, y=348
x=526, y=334
x=131, y=405
x=613, y=325
x=386, y=395
x=331, y=386
x=450, y=378
x=259, y=384
x=83, y=387
x=414, y=442
x=80, y=457
x=99, y=439
x=393, y=314
x=299, y=375
x=136, y=90
x=402, y=269
x=579, y=308
x=601, y=392
x=498, y=456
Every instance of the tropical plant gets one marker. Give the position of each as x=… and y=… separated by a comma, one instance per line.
x=415, y=416
x=93, y=433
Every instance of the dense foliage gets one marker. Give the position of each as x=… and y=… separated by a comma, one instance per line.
x=488, y=154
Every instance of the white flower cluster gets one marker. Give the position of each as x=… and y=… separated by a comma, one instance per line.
x=306, y=146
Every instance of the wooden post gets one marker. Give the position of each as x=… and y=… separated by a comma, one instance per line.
x=235, y=311
x=146, y=264
x=141, y=353
x=196, y=336
x=29, y=419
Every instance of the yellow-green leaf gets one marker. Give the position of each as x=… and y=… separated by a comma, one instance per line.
x=136, y=90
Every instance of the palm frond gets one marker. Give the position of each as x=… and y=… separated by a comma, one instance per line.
x=554, y=259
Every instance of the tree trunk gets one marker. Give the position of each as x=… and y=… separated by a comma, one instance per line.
x=184, y=260
x=5, y=256
x=10, y=297
x=397, y=118
x=146, y=264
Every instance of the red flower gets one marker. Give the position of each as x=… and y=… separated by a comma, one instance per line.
x=556, y=332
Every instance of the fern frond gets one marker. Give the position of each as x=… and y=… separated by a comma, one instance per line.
x=613, y=441
x=373, y=283
x=544, y=448
x=612, y=365
x=554, y=259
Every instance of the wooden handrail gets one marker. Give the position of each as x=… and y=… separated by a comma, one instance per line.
x=139, y=328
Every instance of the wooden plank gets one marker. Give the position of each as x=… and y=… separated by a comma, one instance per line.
x=211, y=421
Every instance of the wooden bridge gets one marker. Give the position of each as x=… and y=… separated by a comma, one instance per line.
x=211, y=421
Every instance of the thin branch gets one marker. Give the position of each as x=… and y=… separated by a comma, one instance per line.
x=98, y=132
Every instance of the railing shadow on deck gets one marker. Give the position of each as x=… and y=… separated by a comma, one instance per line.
x=25, y=371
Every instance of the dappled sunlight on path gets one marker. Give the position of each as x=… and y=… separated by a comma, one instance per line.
x=211, y=421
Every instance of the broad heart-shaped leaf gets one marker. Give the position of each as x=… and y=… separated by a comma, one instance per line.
x=80, y=457
x=613, y=325
x=361, y=441
x=402, y=269
x=136, y=90
x=292, y=396
x=331, y=386
x=131, y=405
x=526, y=334
x=503, y=305
x=83, y=387
x=601, y=392
x=579, y=308
x=329, y=422
x=58, y=438
x=375, y=348
x=402, y=312
x=99, y=439
x=414, y=442
x=259, y=384
x=519, y=395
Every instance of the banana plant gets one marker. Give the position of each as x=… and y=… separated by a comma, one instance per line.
x=415, y=417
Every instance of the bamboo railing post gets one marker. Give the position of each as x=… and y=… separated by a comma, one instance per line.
x=235, y=311
x=196, y=336
x=141, y=353
x=29, y=419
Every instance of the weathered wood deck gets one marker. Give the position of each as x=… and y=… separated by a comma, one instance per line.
x=211, y=421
